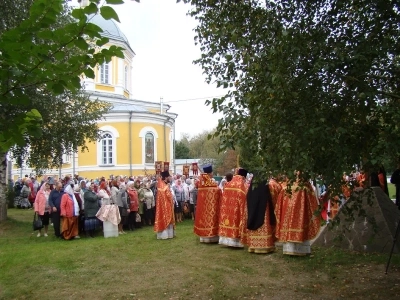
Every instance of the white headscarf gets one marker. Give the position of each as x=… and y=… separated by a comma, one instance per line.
x=222, y=183
x=68, y=189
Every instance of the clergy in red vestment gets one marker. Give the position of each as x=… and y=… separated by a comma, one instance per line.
x=232, y=210
x=259, y=235
x=207, y=210
x=164, y=224
x=296, y=222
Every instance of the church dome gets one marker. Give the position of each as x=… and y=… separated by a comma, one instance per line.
x=110, y=29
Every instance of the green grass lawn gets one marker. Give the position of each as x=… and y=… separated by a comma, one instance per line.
x=138, y=266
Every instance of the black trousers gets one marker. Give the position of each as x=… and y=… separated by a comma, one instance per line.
x=148, y=214
x=56, y=219
x=132, y=220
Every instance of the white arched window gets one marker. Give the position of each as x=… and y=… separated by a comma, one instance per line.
x=149, y=148
x=104, y=73
x=107, y=146
x=149, y=144
x=126, y=77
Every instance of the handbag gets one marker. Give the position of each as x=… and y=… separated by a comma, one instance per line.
x=37, y=222
x=138, y=218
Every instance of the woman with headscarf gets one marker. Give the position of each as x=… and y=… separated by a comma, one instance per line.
x=91, y=208
x=180, y=198
x=139, y=187
x=25, y=191
x=133, y=205
x=103, y=193
x=69, y=213
x=114, y=191
x=83, y=188
x=149, y=203
x=42, y=207
x=121, y=201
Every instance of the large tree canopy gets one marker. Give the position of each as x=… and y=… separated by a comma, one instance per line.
x=45, y=47
x=311, y=85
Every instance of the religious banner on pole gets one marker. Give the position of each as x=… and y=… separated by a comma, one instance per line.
x=166, y=166
x=158, y=166
x=186, y=169
x=195, y=169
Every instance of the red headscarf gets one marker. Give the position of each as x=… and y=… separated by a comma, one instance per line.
x=103, y=186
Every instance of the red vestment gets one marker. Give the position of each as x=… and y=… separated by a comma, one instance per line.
x=207, y=209
x=232, y=208
x=330, y=207
x=262, y=240
x=165, y=207
x=295, y=219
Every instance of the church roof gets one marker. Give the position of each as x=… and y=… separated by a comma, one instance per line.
x=110, y=29
x=127, y=107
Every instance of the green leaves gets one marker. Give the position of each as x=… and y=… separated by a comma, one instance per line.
x=81, y=43
x=44, y=51
x=107, y=12
x=102, y=41
x=89, y=73
x=304, y=93
x=114, y=1
x=91, y=9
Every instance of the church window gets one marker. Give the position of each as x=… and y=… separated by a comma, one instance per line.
x=107, y=149
x=107, y=146
x=149, y=138
x=149, y=148
x=126, y=78
x=104, y=73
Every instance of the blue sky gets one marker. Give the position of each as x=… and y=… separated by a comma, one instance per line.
x=161, y=34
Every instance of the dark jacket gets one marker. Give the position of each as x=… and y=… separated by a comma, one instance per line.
x=91, y=204
x=55, y=199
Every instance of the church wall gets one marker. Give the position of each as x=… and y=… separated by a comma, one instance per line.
x=89, y=157
x=114, y=63
x=104, y=87
x=87, y=162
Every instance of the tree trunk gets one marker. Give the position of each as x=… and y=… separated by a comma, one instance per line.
x=3, y=186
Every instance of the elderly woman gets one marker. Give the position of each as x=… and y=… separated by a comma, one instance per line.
x=122, y=202
x=83, y=188
x=180, y=198
x=42, y=207
x=103, y=193
x=91, y=209
x=114, y=191
x=149, y=203
x=133, y=201
x=139, y=187
x=25, y=192
x=69, y=212
x=192, y=188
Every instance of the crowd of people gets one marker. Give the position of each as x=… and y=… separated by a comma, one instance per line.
x=236, y=212
x=75, y=205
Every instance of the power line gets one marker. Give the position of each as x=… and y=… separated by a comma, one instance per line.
x=193, y=99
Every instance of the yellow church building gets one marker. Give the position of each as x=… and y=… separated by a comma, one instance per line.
x=135, y=134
